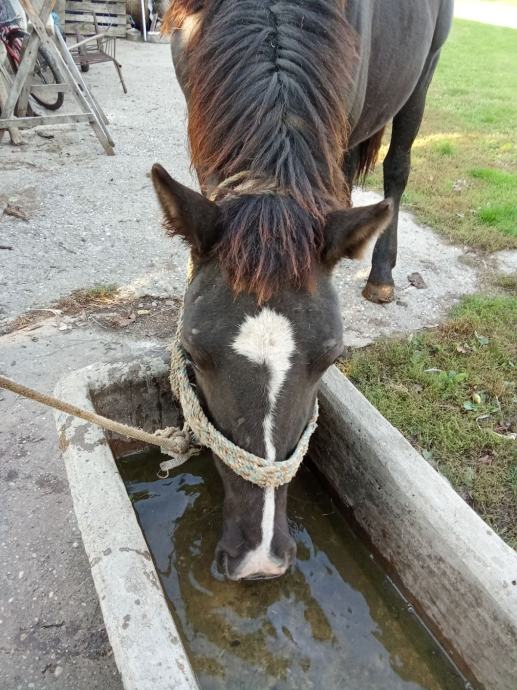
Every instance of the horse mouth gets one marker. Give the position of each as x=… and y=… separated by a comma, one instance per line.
x=260, y=576
x=235, y=576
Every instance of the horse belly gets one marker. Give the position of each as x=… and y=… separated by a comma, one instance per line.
x=394, y=46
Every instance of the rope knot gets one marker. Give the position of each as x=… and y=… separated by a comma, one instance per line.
x=182, y=445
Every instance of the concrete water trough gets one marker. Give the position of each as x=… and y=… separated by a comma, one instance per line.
x=452, y=567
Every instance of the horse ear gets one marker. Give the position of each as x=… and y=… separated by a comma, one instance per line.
x=347, y=232
x=186, y=213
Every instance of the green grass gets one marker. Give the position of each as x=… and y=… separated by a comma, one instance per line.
x=98, y=295
x=102, y=291
x=463, y=179
x=507, y=282
x=452, y=392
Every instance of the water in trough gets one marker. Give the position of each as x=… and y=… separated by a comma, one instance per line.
x=334, y=622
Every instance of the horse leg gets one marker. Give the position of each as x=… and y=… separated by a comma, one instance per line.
x=380, y=287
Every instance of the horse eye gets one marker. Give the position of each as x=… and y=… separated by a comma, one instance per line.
x=198, y=359
x=340, y=353
x=328, y=357
x=191, y=362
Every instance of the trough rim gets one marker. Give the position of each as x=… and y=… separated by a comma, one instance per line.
x=460, y=575
x=146, y=644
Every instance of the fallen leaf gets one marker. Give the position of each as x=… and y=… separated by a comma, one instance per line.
x=476, y=398
x=463, y=349
x=44, y=134
x=15, y=212
x=417, y=281
x=482, y=339
x=486, y=459
x=123, y=321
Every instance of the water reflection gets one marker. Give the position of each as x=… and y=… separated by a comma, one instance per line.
x=333, y=621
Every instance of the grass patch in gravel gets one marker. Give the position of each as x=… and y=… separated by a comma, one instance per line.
x=508, y=282
x=96, y=296
x=452, y=392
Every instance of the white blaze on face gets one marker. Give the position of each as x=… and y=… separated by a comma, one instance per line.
x=266, y=338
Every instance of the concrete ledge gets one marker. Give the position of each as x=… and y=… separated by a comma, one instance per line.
x=461, y=575
x=146, y=644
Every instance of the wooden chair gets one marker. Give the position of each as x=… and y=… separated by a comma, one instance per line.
x=101, y=46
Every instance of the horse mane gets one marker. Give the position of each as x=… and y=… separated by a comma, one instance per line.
x=266, y=86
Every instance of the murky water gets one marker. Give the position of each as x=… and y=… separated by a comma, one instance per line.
x=333, y=622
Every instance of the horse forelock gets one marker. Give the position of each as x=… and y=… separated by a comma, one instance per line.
x=266, y=86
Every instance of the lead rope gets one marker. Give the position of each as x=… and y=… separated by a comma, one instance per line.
x=175, y=440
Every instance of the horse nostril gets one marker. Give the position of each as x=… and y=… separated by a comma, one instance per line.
x=287, y=554
x=290, y=554
x=221, y=559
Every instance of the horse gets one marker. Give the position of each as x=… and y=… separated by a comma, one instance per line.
x=287, y=101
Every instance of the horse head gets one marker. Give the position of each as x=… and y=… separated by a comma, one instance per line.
x=257, y=362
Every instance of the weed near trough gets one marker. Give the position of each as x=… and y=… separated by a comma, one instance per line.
x=96, y=296
x=507, y=282
x=452, y=392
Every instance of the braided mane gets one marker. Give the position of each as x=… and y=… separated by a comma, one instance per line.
x=266, y=85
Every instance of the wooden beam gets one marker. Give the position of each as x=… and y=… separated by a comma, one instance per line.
x=27, y=122
x=103, y=20
x=50, y=89
x=116, y=8
x=5, y=84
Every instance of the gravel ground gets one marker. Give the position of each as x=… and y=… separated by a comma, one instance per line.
x=93, y=219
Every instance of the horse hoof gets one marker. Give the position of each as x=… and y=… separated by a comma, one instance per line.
x=380, y=294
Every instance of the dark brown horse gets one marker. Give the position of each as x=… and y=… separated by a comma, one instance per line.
x=287, y=101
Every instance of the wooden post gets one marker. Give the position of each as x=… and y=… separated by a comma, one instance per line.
x=26, y=67
x=69, y=76
x=5, y=85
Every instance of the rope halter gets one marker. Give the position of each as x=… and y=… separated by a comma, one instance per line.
x=254, y=469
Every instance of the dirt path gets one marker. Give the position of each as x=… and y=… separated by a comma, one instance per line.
x=93, y=219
